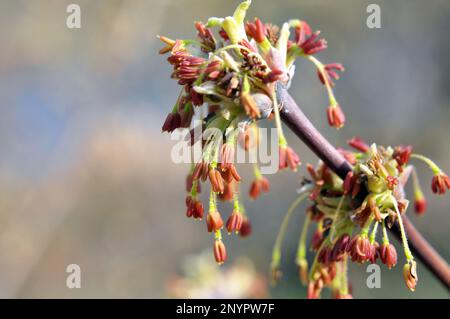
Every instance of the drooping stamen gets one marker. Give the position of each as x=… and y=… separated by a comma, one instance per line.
x=276, y=253
x=300, y=259
x=420, y=203
x=408, y=254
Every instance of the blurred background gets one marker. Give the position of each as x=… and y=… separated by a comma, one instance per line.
x=86, y=176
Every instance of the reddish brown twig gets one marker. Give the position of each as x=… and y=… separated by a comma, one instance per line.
x=293, y=117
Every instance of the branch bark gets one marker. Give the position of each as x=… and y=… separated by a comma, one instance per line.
x=296, y=120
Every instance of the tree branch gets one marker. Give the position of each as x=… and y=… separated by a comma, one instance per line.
x=294, y=118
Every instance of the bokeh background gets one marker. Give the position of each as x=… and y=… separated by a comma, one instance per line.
x=85, y=173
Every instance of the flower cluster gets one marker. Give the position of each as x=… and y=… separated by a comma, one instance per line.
x=233, y=68
x=229, y=76
x=351, y=214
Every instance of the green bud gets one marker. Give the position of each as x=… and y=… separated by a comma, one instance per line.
x=229, y=61
x=294, y=23
x=376, y=184
x=232, y=29
x=241, y=10
x=391, y=167
x=214, y=22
